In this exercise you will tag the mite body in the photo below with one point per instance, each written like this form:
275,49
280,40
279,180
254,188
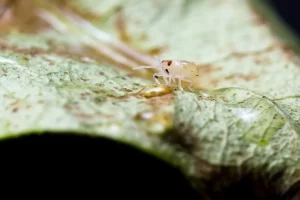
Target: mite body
171,70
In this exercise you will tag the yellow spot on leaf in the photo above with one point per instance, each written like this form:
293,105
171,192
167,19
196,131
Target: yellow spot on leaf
155,90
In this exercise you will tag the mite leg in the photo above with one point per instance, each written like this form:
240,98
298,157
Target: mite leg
173,80
156,75
189,81
170,80
165,79
143,67
179,84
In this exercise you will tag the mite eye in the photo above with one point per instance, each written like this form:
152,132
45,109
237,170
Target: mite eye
167,71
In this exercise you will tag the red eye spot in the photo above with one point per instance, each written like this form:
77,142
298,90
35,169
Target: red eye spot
169,62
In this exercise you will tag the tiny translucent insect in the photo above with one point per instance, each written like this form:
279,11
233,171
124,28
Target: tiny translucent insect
171,70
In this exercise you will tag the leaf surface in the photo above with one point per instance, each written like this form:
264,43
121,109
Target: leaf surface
243,111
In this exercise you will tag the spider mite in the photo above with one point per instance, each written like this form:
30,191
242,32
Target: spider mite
171,70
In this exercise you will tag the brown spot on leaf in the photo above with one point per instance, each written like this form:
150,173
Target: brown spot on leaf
262,60
84,94
84,79
156,51
208,98
211,98
246,77
126,90
68,107
3,71
90,116
237,54
208,68
15,106
224,99
15,103
214,82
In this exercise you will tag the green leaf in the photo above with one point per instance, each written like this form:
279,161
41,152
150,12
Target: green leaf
242,114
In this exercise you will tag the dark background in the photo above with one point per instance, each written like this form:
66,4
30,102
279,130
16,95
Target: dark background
289,10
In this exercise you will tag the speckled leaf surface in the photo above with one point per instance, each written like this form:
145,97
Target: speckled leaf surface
244,109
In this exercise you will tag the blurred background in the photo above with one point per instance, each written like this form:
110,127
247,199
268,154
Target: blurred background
169,183
289,12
